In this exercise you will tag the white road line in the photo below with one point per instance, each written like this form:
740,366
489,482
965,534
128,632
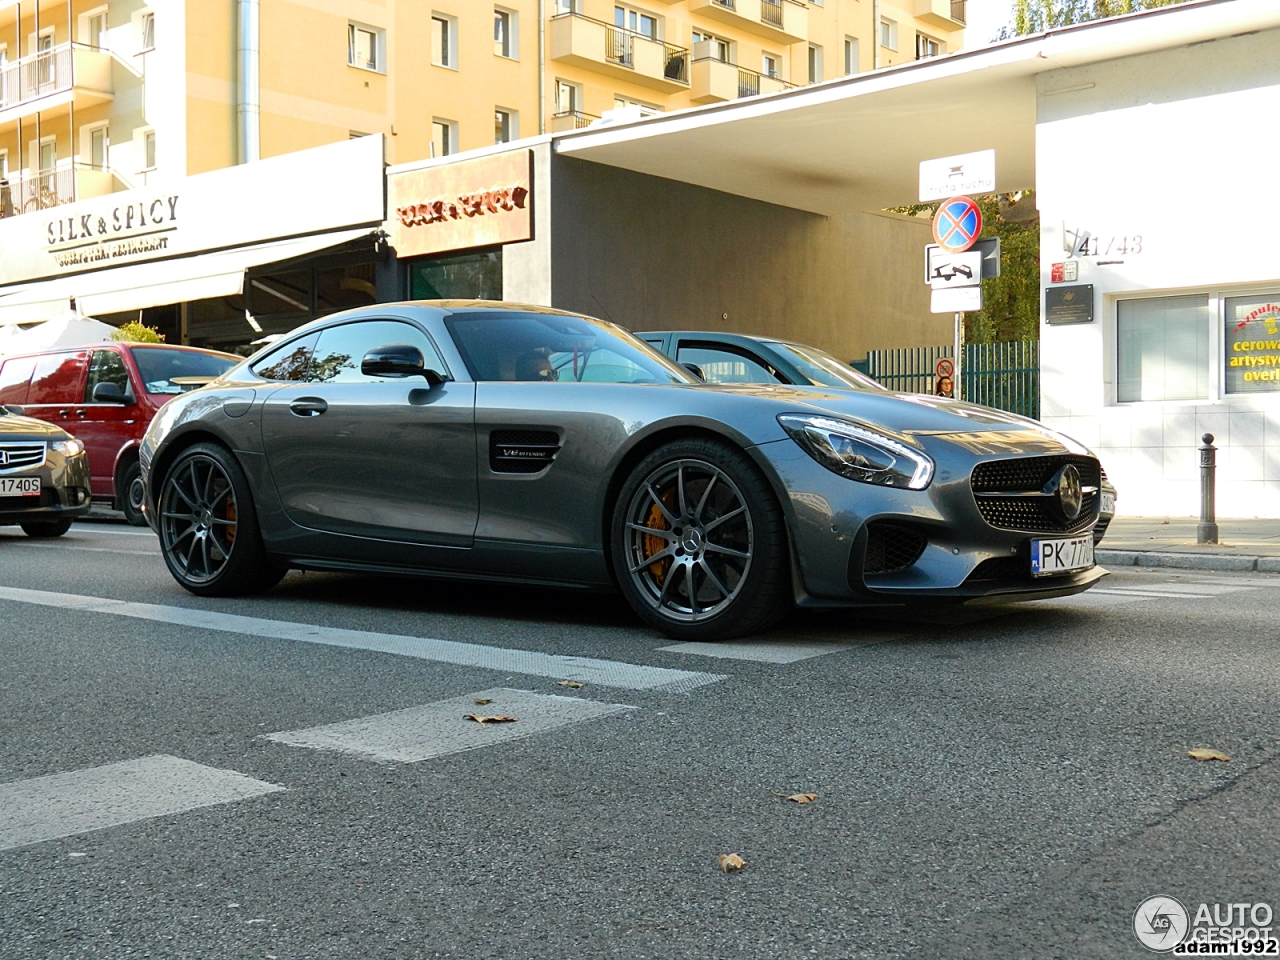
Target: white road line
92,528
1154,594
606,673
65,804
763,652
438,729
45,545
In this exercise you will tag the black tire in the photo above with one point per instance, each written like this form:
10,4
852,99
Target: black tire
209,534
701,510
46,528
130,494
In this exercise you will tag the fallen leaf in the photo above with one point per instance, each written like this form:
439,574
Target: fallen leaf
1202,753
571,684
731,861
803,797
497,718
481,701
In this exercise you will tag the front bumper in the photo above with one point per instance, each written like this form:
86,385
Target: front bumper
64,491
834,523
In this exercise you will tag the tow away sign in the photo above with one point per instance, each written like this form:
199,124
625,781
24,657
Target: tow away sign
948,270
958,175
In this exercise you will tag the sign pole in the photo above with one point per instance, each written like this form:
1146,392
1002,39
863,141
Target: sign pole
958,390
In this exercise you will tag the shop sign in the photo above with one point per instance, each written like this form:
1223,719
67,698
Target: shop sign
1252,344
273,199
1064,305
457,206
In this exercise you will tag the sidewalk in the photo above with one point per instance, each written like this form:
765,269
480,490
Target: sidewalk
1171,542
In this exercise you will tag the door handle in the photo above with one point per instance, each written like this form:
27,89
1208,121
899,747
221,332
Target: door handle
81,414
64,414
308,407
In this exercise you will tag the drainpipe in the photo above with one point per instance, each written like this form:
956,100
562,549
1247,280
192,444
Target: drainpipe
542,66
875,34
248,144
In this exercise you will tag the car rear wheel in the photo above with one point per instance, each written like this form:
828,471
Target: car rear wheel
130,494
699,543
46,528
208,526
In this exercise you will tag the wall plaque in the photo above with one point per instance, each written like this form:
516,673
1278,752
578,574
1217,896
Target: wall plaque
1069,304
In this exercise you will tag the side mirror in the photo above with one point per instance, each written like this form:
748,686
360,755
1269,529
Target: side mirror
109,393
399,360
16,410
695,370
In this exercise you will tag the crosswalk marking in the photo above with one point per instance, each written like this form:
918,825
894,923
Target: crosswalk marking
66,804
437,729
760,652
605,673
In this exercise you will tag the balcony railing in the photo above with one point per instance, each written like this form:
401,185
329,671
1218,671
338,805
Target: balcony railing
771,12
37,75
957,11
571,120
30,192
620,48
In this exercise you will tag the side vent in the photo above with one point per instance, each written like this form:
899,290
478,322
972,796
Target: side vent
522,451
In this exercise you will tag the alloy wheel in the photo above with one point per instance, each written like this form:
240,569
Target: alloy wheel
690,540
198,514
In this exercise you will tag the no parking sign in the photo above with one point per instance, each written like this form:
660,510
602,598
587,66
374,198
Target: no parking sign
957,225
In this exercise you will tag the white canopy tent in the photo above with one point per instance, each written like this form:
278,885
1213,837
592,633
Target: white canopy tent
69,329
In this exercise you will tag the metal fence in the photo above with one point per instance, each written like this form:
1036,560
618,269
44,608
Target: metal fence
1001,375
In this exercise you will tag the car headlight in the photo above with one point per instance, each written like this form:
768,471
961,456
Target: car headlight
71,447
859,453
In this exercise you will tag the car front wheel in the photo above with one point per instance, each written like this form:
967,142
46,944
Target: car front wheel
209,531
46,528
699,543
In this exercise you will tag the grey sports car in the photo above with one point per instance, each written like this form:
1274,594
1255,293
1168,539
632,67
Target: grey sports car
510,443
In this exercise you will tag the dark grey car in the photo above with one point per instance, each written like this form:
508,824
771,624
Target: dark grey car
521,444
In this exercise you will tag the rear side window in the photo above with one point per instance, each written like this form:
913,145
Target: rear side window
719,365
106,366
15,375
177,371
58,378
288,362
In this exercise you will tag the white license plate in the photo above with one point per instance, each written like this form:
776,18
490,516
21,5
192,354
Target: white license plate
1061,556
19,486
1108,503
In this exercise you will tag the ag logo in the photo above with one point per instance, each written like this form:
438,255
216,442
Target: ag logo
1160,923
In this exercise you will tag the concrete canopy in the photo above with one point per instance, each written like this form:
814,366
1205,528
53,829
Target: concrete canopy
855,144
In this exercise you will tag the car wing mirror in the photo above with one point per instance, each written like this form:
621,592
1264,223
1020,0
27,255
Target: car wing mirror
695,370
109,393
16,410
399,360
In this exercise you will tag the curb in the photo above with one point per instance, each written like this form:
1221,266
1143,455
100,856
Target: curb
1188,561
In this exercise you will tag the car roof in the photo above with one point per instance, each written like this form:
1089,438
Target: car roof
119,344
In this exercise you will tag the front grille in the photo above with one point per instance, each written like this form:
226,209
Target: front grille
522,451
1030,475
14,456
891,546
1000,568
1100,529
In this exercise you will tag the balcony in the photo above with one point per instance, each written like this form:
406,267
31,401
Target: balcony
715,80
945,14
622,54
52,81
782,21
571,120
32,192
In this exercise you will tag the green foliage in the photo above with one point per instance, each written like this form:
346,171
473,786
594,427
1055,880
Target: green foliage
136,332
1033,16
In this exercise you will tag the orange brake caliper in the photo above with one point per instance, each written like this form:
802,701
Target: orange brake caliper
654,544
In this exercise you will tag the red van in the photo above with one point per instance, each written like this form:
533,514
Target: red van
106,395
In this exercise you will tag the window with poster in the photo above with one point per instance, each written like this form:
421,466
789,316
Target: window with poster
1251,344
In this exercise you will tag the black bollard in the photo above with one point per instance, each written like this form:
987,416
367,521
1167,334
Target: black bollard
1207,528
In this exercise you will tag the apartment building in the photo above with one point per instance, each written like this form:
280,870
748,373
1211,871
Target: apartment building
100,97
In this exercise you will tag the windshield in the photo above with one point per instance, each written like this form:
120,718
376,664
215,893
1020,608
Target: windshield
551,347
166,371
822,369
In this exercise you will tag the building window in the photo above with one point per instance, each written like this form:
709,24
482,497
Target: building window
4,164
568,6
506,33
47,162
506,125
815,63
636,21
568,97
469,276
147,32
706,46
850,55
149,150
927,46
627,103
1162,349
444,137
889,34
769,65
365,47
95,144
1251,344
444,41
93,28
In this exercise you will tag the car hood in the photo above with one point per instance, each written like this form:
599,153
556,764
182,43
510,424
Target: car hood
28,428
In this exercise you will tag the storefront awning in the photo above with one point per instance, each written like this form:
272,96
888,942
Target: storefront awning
200,277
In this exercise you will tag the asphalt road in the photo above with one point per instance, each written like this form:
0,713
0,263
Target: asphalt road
182,777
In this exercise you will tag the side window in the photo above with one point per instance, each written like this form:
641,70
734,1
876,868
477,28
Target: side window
719,365
15,375
341,349
106,366
58,378
288,362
